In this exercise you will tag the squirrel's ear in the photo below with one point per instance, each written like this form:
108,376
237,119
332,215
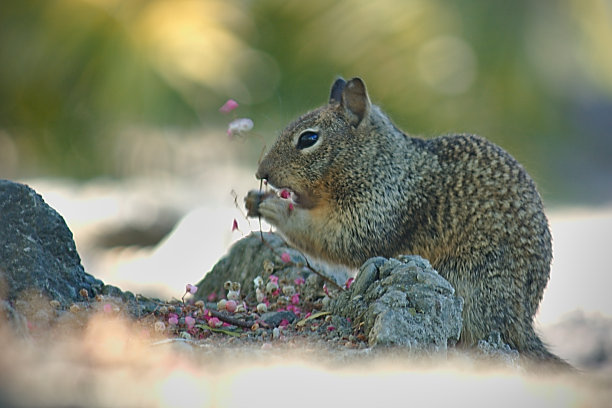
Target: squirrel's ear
335,96
355,100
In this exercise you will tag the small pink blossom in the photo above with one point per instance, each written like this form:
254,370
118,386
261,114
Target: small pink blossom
230,306
173,319
108,308
285,194
215,322
284,323
325,289
228,106
296,310
190,322
191,288
331,328
234,225
285,257
349,282
308,315
299,281
212,297
291,207
295,298
273,279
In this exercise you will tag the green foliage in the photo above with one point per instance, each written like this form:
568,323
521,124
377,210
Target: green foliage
534,77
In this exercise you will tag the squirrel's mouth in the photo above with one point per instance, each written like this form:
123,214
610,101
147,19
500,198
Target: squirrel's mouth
285,193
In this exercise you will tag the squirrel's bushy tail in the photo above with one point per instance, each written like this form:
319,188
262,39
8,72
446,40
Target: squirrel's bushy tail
538,357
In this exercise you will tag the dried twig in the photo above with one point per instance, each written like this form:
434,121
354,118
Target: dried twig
227,319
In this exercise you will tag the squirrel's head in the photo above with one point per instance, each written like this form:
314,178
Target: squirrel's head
304,156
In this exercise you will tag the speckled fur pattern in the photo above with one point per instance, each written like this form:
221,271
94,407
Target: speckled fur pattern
367,189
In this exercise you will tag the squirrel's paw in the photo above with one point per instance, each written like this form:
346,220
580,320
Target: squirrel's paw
275,210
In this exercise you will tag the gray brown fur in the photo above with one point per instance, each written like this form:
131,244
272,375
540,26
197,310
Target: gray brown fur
367,189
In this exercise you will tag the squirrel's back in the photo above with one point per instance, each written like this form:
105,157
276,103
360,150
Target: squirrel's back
358,187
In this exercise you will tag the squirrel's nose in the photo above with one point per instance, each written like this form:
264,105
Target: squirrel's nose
262,171
261,175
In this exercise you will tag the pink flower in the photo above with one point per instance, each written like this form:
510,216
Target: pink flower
191,288
325,289
285,257
331,328
215,322
284,323
285,194
299,281
230,306
295,298
108,308
296,310
190,322
290,206
349,282
308,315
173,319
273,279
234,225
212,297
228,106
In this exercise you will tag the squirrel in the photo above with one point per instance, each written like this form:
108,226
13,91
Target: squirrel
354,186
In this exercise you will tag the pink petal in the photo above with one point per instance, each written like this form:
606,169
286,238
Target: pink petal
228,106
191,288
285,257
349,282
189,321
230,306
285,194
234,225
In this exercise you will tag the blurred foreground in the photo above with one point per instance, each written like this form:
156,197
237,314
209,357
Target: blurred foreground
113,363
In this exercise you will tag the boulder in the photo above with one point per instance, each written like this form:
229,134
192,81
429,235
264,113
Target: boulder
262,254
402,302
37,252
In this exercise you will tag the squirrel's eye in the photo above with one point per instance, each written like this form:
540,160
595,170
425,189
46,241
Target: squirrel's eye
307,139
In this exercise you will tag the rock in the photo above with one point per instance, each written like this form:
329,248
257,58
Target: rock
37,252
493,349
39,262
275,318
402,302
251,257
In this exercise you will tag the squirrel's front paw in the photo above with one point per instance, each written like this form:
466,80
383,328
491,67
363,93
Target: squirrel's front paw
253,200
274,209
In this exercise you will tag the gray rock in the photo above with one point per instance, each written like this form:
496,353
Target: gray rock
402,302
39,261
275,318
245,261
37,252
493,349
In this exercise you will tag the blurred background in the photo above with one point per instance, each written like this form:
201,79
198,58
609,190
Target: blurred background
110,110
